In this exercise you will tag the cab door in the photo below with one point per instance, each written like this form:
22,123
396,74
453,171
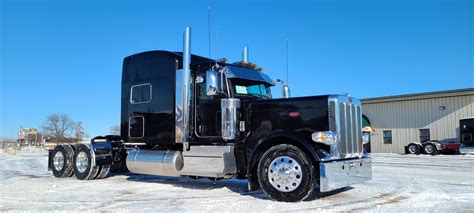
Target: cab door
207,110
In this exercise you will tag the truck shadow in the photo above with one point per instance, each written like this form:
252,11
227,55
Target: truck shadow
234,185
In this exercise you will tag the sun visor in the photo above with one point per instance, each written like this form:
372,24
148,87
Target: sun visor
246,73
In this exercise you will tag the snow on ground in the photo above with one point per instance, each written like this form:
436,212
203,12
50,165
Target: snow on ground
410,183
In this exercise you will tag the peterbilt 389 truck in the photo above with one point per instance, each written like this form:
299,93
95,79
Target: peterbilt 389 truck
187,115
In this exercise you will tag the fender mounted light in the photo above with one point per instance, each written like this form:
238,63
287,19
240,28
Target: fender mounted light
325,137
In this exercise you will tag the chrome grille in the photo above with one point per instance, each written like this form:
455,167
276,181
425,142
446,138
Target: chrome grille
345,119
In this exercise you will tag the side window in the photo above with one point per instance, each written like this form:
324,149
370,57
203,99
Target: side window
201,88
387,137
424,135
266,90
136,127
140,93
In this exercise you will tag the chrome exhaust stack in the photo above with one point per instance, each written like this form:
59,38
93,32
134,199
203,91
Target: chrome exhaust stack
245,55
285,91
183,93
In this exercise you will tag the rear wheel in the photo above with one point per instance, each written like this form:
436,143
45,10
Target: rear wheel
83,168
103,172
414,149
62,161
285,173
430,149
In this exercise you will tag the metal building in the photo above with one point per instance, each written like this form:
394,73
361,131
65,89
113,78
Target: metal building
399,120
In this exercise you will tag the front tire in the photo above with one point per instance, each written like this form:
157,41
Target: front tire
83,168
62,161
285,173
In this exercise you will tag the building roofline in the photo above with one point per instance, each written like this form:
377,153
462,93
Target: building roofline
418,96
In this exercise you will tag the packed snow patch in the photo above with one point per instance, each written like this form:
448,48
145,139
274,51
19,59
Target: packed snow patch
411,183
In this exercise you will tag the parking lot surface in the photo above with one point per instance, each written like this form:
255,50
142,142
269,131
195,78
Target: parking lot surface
413,183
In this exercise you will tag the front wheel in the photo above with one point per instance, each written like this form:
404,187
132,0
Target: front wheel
285,173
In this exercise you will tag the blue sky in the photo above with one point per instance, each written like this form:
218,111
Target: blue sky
66,56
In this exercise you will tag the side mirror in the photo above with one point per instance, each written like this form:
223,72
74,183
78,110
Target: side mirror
212,83
285,89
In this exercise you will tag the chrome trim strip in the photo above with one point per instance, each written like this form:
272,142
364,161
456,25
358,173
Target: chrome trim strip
345,131
335,126
359,126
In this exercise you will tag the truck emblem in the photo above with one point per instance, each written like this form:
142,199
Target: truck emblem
294,114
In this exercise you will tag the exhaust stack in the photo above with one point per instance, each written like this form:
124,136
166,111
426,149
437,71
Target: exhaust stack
245,55
183,93
285,91
187,50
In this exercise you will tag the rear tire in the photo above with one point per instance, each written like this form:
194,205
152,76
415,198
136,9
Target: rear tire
285,173
414,149
62,161
430,149
103,172
83,168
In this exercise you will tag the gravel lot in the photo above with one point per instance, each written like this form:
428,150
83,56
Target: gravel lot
401,183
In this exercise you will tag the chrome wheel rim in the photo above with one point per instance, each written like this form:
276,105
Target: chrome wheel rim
58,161
285,174
429,149
412,149
82,162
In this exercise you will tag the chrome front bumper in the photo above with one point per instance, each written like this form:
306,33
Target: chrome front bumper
338,174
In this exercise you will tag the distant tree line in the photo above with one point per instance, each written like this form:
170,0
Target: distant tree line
60,128
114,130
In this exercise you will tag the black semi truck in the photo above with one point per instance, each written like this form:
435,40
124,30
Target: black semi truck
187,115
466,128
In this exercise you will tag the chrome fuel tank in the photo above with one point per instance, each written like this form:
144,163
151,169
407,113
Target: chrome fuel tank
151,162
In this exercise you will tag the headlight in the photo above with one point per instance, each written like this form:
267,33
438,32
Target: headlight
327,137
365,137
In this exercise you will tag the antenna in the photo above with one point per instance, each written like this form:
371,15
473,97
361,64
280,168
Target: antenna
209,28
216,43
287,79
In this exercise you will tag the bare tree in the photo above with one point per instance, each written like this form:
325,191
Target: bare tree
58,126
114,130
79,132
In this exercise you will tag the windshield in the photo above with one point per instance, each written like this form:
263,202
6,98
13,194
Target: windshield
259,90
